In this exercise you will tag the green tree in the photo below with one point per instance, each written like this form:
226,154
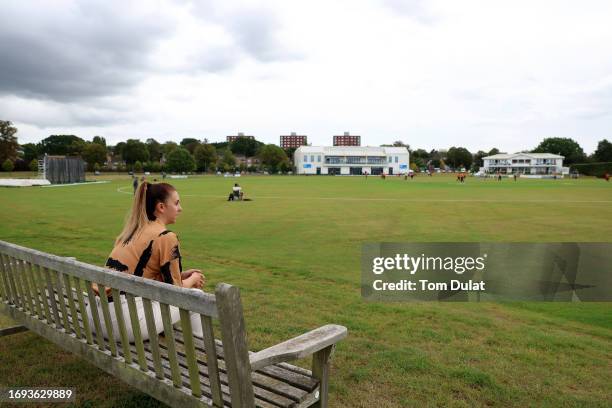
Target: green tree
566,147
134,151
138,166
458,157
30,152
478,162
228,161
93,154
271,157
245,146
493,151
180,160
168,147
155,150
62,145
204,156
99,140
33,165
8,141
190,144
603,152
400,143
435,157
118,151
8,165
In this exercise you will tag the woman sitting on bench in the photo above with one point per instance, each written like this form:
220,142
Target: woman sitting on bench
146,248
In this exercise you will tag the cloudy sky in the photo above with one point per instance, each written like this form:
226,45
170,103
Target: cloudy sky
434,73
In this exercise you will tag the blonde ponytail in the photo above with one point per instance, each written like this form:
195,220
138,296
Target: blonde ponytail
137,217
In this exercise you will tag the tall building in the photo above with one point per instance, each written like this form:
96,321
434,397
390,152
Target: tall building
239,135
347,140
293,140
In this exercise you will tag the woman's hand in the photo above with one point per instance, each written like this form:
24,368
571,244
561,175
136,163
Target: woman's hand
193,278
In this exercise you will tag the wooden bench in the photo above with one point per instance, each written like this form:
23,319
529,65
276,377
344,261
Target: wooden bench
49,295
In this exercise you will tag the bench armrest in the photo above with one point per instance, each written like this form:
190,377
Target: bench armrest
298,347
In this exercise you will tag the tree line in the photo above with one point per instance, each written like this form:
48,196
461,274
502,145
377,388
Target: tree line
134,155
459,157
200,155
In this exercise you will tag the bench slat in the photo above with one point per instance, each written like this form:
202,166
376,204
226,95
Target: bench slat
40,278
48,280
108,323
121,324
72,305
11,282
190,351
83,310
60,287
136,330
169,334
14,275
148,312
23,274
5,287
35,285
8,296
3,291
95,316
211,358
15,282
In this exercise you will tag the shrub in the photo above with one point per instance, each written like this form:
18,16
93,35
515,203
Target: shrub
8,165
592,169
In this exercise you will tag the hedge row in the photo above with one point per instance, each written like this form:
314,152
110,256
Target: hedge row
592,169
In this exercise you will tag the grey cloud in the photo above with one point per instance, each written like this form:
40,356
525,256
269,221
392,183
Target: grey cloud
74,51
50,113
215,59
254,30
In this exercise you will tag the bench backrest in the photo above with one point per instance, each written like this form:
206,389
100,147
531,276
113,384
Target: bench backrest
50,289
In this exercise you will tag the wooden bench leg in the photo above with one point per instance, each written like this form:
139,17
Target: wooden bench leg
12,330
320,370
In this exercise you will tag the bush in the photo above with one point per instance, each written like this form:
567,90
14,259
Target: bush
34,165
8,165
138,166
153,167
180,160
592,169
21,165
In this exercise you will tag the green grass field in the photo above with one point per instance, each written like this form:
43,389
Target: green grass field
295,250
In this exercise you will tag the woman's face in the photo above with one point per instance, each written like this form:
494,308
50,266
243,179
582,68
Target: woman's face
171,208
